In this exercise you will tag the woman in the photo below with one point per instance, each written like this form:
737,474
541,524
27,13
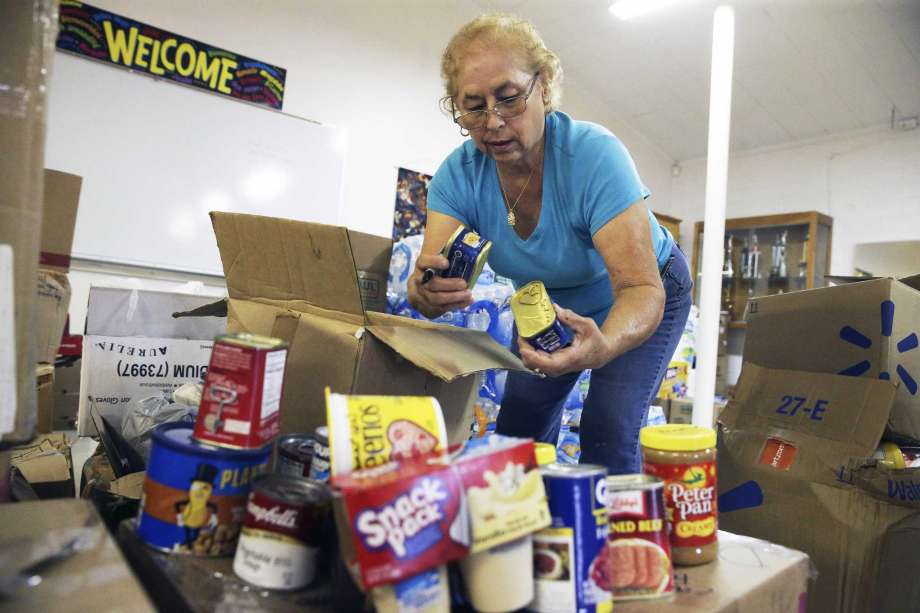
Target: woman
562,202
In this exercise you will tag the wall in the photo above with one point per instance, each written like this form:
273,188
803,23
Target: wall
867,181
373,71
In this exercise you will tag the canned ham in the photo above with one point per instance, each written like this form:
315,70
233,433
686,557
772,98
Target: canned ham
638,549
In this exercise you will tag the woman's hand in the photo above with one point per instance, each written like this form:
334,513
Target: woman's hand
437,295
589,349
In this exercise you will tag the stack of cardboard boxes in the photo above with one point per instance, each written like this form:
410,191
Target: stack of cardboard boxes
27,34
828,374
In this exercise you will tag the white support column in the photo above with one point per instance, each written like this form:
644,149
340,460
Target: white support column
720,101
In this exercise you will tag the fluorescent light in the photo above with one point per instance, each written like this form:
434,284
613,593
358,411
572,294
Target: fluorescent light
629,9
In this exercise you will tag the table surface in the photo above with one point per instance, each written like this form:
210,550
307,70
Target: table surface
96,578
747,568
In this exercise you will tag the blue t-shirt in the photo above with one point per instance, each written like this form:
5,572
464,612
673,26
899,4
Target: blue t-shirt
588,179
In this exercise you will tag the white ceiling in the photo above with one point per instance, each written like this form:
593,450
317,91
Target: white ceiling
803,68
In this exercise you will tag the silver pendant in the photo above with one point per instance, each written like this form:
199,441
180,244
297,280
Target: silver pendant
511,219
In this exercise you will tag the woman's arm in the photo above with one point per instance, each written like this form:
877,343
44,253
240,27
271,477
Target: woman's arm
438,295
625,244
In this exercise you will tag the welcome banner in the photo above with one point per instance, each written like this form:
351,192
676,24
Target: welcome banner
105,36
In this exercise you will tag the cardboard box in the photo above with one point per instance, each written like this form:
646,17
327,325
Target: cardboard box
681,411
66,396
308,284
749,575
46,465
44,375
134,348
27,33
96,578
793,470
59,216
867,329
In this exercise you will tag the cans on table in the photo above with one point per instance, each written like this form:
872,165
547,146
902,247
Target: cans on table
466,254
638,548
536,318
286,518
241,399
319,467
571,567
295,454
195,494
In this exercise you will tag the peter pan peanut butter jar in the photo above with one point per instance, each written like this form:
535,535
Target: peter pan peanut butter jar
684,457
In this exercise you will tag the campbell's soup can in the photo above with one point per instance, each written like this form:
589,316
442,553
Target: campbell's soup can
195,494
286,518
295,454
638,548
571,571
241,399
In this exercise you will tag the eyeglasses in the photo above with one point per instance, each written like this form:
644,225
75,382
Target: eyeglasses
506,109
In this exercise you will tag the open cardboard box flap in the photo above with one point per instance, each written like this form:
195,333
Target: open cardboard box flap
826,422
323,289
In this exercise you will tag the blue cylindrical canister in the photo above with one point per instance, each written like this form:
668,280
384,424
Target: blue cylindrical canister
195,494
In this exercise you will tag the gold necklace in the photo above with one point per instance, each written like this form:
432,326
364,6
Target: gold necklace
511,217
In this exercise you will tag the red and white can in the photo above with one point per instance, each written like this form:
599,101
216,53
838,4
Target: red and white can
241,400
286,518
638,547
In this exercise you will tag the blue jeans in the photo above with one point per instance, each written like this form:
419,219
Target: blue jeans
616,407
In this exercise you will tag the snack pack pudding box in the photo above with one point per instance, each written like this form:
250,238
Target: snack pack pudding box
401,518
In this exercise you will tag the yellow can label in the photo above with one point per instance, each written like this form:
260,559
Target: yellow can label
367,431
533,309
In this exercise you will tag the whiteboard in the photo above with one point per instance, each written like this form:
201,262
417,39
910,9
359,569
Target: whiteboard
156,157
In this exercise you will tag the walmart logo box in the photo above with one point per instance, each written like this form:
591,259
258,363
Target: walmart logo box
133,348
866,328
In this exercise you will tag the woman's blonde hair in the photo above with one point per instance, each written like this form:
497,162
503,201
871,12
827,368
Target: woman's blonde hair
517,35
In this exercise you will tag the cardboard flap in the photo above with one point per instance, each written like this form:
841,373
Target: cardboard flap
281,259
831,420
912,281
444,351
214,309
59,217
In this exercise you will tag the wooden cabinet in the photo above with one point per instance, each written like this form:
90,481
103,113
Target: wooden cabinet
671,223
770,254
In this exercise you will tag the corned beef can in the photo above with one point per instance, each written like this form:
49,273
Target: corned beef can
320,465
295,454
638,548
195,494
466,254
286,518
536,319
570,563
241,398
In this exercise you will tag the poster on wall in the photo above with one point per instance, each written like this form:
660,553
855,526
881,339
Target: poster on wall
411,203
104,36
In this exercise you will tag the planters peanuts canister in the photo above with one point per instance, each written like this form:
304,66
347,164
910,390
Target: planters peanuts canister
195,495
